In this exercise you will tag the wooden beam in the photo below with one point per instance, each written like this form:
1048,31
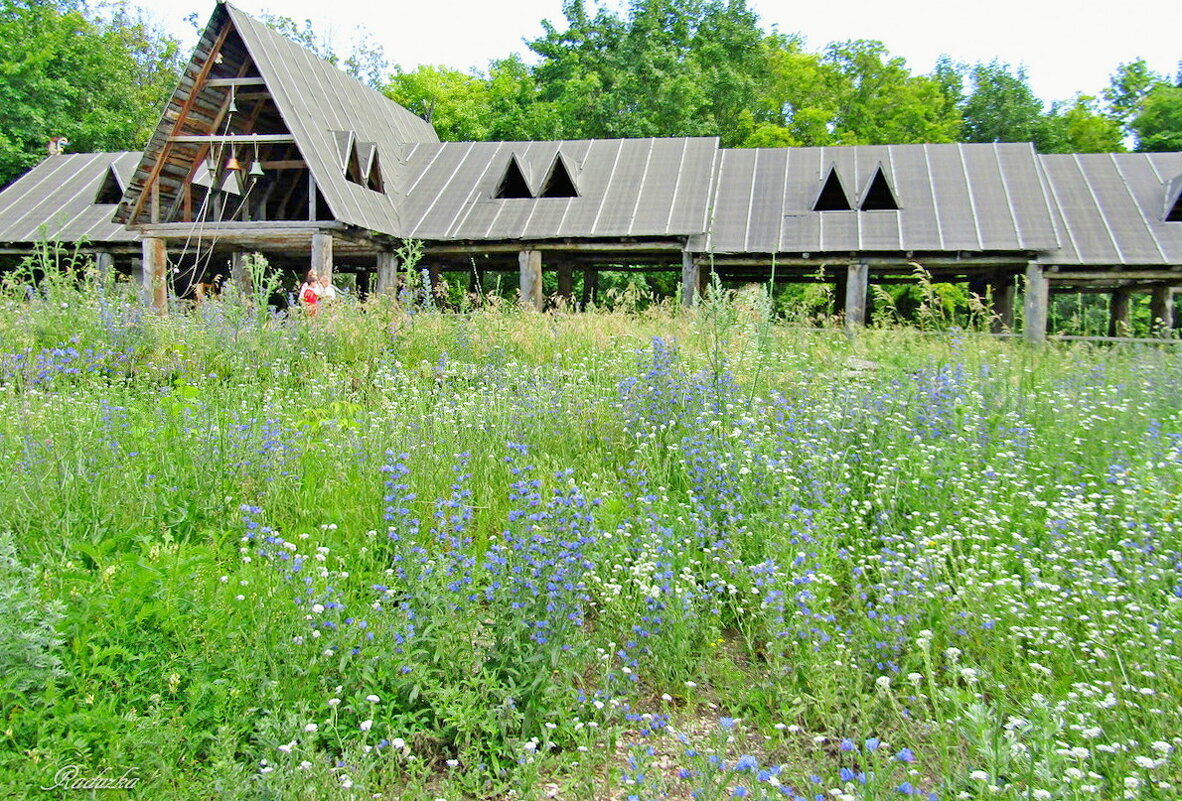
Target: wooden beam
156,273
530,266
179,122
322,254
690,278
590,286
1161,310
239,274
857,284
1118,313
1003,302
285,164
566,283
235,82
1172,274
232,139
387,265
1034,304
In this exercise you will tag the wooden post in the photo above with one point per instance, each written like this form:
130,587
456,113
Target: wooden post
387,264
156,274
566,283
1003,303
322,254
857,282
705,278
1118,313
104,264
530,265
691,279
239,275
1034,304
141,282
1161,310
590,286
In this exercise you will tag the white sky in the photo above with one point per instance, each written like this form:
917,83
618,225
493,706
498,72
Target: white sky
1067,46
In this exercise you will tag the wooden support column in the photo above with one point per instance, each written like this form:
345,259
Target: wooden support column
1161,310
1034,304
839,290
590,286
322,254
156,274
857,283
530,265
141,282
1118,313
239,275
104,265
566,283
691,279
387,264
1003,303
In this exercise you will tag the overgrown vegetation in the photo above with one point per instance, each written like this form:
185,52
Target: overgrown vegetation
398,552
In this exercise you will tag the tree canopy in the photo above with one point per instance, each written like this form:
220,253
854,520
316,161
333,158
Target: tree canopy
655,68
99,80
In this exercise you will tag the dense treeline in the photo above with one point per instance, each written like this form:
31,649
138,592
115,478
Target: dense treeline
662,68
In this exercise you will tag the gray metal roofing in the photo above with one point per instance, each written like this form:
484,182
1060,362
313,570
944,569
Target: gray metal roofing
626,187
1110,208
55,200
952,197
317,102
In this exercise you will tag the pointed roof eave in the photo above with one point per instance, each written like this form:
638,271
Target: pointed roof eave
211,40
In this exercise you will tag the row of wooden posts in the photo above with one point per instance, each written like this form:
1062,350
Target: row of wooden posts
852,286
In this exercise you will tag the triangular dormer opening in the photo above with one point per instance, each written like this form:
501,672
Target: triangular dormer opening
111,190
513,183
374,179
833,196
878,195
353,170
1174,200
558,182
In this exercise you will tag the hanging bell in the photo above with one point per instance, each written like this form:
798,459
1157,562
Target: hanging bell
256,169
232,164
233,107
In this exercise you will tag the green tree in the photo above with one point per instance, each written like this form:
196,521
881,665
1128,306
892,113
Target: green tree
1158,124
456,103
66,71
1127,90
1080,127
879,101
668,68
1001,107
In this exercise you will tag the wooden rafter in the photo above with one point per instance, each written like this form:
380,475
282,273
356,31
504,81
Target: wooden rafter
182,115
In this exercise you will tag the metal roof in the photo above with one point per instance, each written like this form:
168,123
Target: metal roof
319,103
55,200
626,187
952,197
1110,208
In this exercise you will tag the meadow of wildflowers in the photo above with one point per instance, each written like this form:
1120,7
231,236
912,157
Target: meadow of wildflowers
395,552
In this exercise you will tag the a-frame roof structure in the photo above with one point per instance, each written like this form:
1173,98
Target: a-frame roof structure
317,104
